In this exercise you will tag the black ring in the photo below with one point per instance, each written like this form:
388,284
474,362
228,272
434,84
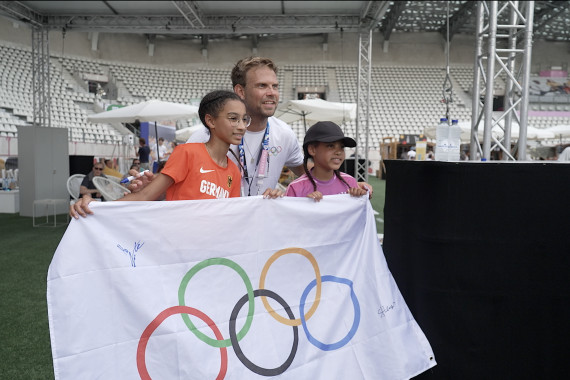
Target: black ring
235,344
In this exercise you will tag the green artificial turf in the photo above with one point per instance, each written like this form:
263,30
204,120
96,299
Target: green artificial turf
25,255
377,201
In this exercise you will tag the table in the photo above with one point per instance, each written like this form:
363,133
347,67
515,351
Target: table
50,205
10,201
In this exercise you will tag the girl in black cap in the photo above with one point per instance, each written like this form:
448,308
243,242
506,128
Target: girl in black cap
324,142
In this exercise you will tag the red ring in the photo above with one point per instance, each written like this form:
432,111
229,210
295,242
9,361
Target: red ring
143,341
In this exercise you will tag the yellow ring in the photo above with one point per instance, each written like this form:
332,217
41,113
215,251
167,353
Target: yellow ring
311,258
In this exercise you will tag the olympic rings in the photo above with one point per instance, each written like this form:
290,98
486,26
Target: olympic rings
234,338
239,353
143,341
348,337
275,256
182,290
275,150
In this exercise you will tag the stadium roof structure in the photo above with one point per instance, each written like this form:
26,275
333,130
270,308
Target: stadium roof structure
266,19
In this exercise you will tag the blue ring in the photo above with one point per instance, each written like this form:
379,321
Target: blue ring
348,337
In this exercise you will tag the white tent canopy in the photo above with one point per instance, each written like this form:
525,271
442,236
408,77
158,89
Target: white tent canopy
183,134
314,110
497,132
561,130
151,110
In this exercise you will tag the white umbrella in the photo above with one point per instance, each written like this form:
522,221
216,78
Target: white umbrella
183,134
560,130
497,132
532,133
151,110
465,131
314,110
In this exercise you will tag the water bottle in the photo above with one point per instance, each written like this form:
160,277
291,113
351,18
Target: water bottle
441,140
454,141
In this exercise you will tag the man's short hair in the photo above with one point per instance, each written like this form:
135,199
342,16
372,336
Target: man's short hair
244,65
142,141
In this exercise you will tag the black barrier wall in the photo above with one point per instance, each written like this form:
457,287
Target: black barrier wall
481,253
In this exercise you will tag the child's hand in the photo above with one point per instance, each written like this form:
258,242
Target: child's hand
81,207
316,195
273,193
357,192
141,182
366,186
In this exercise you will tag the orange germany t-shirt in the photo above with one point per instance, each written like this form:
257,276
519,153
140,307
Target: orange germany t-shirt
197,176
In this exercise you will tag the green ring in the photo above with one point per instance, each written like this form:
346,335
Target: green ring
182,290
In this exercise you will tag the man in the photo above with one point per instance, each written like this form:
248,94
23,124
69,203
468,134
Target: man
143,153
269,144
110,171
87,186
161,149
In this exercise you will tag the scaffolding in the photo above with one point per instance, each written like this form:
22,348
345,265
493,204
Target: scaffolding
41,77
363,103
497,52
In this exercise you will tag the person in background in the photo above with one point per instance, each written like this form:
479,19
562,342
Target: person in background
143,154
172,145
87,187
324,143
109,170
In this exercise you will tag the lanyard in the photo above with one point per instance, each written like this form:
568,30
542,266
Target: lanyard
262,160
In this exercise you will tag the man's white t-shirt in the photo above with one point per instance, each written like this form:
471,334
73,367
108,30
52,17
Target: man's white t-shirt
284,150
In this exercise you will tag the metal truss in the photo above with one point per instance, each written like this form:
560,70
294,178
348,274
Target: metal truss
498,54
283,24
41,78
392,18
19,11
363,102
460,17
371,16
191,13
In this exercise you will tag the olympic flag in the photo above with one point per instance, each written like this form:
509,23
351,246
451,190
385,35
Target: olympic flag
240,288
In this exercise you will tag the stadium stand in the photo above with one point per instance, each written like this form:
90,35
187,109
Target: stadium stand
404,99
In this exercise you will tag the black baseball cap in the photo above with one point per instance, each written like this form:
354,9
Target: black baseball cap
327,131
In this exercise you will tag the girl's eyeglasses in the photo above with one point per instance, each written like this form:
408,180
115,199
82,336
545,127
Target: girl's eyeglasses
234,120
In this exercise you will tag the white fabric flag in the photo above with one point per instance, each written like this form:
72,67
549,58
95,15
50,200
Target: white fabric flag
239,288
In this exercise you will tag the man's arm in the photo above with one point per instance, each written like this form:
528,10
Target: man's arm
298,170
83,190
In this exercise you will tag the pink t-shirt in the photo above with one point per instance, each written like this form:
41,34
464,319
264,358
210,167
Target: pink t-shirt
302,186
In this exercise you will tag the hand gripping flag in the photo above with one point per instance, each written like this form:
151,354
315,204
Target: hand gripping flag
241,288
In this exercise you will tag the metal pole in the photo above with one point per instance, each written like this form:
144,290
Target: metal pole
41,77
358,105
363,100
529,15
476,93
508,97
492,31
367,121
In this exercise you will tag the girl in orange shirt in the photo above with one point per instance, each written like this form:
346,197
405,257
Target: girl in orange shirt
198,171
